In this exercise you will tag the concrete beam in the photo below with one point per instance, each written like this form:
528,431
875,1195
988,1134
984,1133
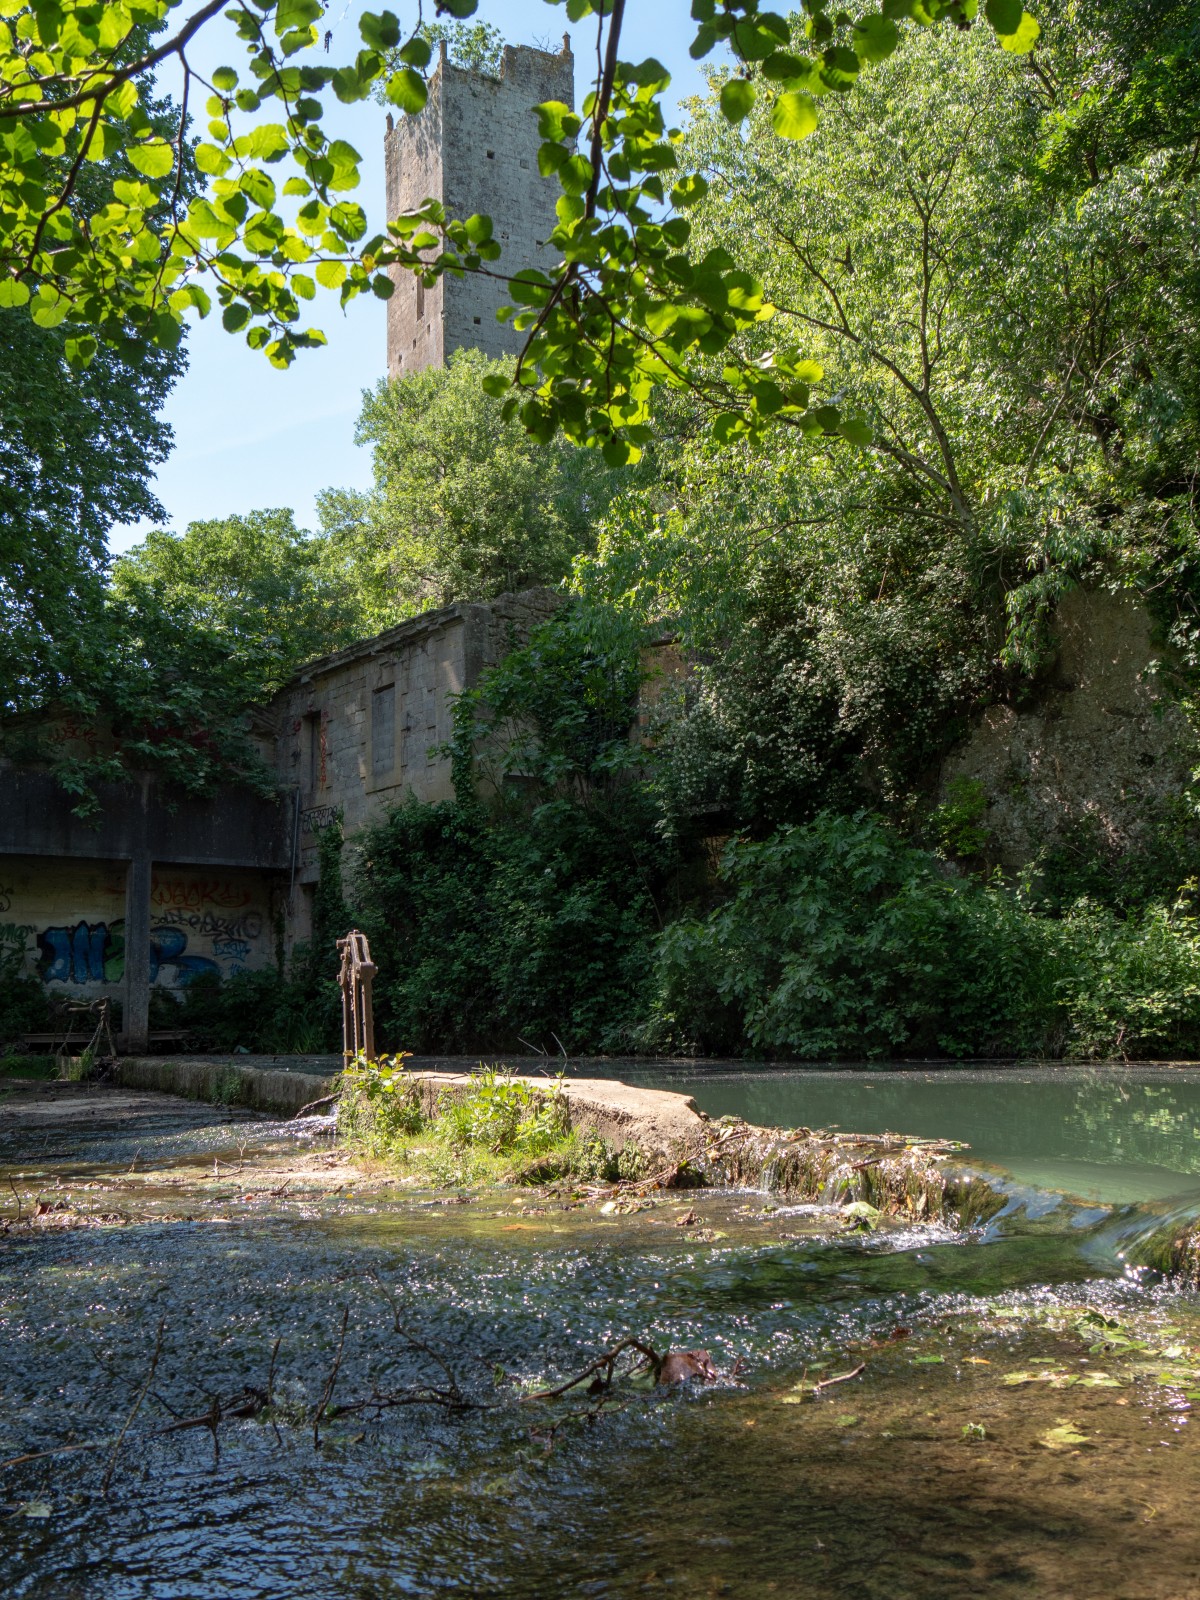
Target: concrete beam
136,1027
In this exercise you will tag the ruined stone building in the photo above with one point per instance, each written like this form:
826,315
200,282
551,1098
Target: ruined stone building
475,148
157,888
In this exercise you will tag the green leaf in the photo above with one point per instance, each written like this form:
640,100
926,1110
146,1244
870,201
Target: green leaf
1004,15
407,90
737,99
793,116
331,274
875,38
13,293
416,53
225,79
497,385
857,431
49,308
380,32
550,157
1023,40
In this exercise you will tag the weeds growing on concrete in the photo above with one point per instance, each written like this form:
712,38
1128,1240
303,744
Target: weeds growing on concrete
494,1129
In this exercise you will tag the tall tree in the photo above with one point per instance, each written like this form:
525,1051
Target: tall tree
255,583
465,505
999,262
77,455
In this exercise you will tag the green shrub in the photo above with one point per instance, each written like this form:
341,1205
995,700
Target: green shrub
23,1004
379,1105
504,1116
474,1134
1132,988
839,939
530,920
266,1012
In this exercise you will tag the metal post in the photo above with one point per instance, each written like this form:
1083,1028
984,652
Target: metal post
358,1020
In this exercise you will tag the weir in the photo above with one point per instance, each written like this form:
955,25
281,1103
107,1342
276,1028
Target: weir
873,1373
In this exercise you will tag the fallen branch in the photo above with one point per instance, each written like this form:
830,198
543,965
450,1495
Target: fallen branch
607,1360
325,1100
137,1406
330,1381
415,1343
842,1377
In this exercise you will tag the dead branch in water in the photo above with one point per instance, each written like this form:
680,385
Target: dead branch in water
454,1393
137,1406
841,1377
605,1361
325,1100
330,1381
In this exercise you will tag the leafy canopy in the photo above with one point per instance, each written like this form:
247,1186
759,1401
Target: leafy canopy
255,583
634,303
465,506
1008,291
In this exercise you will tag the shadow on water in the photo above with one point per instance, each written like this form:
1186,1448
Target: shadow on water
1021,1423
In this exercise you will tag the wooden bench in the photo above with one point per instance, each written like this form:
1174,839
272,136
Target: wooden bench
60,1040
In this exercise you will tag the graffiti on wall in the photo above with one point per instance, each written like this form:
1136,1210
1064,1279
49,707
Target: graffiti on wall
194,894
94,952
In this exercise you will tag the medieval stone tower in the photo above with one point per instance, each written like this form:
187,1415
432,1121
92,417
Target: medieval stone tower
474,147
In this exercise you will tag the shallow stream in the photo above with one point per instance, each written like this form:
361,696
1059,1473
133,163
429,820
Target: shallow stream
1022,1424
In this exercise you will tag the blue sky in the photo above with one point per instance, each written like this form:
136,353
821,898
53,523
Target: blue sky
247,436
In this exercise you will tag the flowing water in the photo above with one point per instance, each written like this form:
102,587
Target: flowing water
1022,1423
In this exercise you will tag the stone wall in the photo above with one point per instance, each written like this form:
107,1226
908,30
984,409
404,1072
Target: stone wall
474,147
1104,743
364,729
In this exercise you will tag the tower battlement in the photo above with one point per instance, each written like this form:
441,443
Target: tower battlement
474,147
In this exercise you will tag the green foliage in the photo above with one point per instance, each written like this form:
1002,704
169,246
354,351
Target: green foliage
467,1135
1083,862
475,46
838,939
631,306
379,1105
256,585
532,919
1008,297
23,1004
465,505
957,824
265,1012
192,632
503,1115
1132,988
77,455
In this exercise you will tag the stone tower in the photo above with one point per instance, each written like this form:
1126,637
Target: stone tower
474,147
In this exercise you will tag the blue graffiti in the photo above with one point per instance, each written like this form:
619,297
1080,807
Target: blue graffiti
92,952
74,955
167,946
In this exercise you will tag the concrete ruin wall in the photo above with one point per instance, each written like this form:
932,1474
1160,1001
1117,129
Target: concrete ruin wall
474,147
363,730
1105,743
70,915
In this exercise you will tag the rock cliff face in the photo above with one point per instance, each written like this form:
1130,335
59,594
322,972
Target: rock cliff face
1105,743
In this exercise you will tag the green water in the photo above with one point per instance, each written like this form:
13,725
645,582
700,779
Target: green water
1118,1134
1022,1424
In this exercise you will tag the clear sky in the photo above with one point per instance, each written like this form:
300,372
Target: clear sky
248,436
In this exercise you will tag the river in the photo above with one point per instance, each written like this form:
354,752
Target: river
1022,1424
